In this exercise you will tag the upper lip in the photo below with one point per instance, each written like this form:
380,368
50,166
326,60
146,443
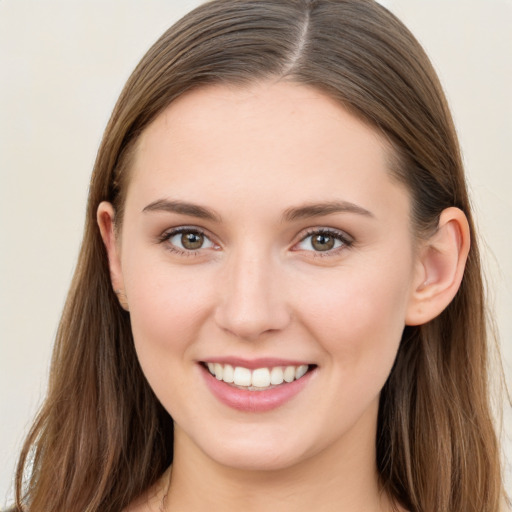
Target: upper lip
252,364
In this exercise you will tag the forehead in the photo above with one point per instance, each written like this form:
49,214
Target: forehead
280,141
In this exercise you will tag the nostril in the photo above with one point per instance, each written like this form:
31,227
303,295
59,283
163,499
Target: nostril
251,322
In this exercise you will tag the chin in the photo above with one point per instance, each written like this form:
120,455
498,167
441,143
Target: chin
259,449
257,458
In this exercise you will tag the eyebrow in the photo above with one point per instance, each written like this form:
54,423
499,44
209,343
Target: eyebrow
319,209
193,210
289,215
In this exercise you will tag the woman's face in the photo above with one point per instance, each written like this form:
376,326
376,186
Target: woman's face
264,236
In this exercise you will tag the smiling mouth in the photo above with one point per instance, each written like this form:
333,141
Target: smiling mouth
259,379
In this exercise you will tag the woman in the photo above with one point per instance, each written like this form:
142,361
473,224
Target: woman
276,302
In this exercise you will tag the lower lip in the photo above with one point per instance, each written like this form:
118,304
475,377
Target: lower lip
255,401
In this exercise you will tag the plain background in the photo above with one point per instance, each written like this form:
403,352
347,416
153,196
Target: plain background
62,66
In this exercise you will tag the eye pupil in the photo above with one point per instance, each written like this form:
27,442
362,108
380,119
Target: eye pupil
322,242
192,240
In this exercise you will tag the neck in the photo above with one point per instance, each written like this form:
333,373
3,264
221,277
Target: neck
344,474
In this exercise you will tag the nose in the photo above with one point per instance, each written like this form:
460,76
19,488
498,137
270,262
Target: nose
252,297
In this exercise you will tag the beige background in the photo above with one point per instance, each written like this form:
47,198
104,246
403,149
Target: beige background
62,66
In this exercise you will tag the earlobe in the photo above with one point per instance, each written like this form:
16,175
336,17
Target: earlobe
105,217
440,267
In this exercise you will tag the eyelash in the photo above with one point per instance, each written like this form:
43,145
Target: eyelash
168,235
346,241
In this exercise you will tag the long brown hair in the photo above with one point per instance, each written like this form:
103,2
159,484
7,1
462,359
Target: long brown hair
102,437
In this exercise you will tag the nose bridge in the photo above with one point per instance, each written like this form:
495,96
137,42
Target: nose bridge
252,299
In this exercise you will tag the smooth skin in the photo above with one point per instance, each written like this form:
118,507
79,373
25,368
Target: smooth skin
251,177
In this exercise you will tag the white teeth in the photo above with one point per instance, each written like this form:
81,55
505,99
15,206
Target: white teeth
229,373
289,373
218,370
300,371
276,376
259,378
242,376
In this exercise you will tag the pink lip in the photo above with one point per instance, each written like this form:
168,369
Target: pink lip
254,401
252,364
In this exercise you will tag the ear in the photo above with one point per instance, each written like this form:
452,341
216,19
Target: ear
440,267
105,217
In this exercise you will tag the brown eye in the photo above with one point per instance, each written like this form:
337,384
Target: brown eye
327,241
184,240
322,242
192,241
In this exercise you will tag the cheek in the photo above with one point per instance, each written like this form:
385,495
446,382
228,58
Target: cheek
167,309
358,317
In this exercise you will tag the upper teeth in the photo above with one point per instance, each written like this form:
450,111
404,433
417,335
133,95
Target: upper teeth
260,377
